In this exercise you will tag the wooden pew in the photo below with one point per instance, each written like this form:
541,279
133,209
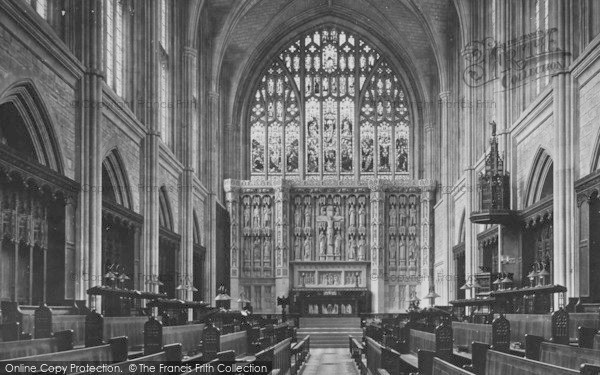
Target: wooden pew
441,367
60,341
156,336
300,352
576,320
555,326
381,358
170,354
282,357
356,351
585,337
115,351
440,342
567,356
12,331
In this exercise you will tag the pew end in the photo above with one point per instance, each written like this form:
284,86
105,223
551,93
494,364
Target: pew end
425,361
118,346
64,339
533,345
589,369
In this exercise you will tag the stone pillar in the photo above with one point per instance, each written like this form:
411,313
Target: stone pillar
377,245
564,160
189,127
427,283
282,204
448,149
150,193
232,197
89,219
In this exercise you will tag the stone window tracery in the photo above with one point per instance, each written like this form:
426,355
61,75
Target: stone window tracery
309,100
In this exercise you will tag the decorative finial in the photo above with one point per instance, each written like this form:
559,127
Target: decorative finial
493,123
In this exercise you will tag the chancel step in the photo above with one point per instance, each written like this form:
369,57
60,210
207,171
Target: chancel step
329,332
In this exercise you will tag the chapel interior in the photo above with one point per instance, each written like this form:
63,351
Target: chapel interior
359,186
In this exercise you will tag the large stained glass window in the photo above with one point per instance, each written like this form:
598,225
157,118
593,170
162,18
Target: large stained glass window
329,104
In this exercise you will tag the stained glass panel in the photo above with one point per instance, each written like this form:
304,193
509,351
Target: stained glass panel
329,135
346,141
340,79
313,109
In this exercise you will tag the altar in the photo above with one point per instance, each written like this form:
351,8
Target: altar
336,247
329,302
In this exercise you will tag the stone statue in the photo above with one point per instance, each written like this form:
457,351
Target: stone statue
267,252
392,249
307,248
246,216
412,247
297,248
322,244
338,244
298,217
352,217
267,216
402,250
307,213
393,217
413,214
256,217
362,217
351,248
361,248
403,215
256,248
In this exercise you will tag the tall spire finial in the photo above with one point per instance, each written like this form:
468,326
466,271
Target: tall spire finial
493,123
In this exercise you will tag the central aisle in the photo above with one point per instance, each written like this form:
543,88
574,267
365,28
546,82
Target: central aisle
329,361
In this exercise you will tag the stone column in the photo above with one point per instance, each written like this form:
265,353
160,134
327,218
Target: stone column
564,159
282,203
232,197
89,258
377,245
446,183
189,127
150,193
427,282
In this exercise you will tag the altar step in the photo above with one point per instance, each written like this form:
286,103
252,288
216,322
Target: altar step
330,332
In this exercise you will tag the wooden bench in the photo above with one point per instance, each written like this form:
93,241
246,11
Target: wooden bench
188,335
440,342
300,352
115,351
381,358
282,357
555,326
356,352
170,354
585,337
13,332
60,341
441,367
567,356
498,363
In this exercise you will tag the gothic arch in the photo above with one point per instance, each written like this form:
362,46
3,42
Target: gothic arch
461,229
24,97
399,61
197,232
166,214
539,183
595,165
116,175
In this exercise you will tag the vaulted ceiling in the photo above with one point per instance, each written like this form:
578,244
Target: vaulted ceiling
420,33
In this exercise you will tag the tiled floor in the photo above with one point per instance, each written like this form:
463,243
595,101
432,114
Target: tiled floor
329,362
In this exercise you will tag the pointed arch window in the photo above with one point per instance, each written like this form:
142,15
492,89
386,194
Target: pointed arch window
114,41
166,125
329,104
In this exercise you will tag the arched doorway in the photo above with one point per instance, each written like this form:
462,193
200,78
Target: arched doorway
37,205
